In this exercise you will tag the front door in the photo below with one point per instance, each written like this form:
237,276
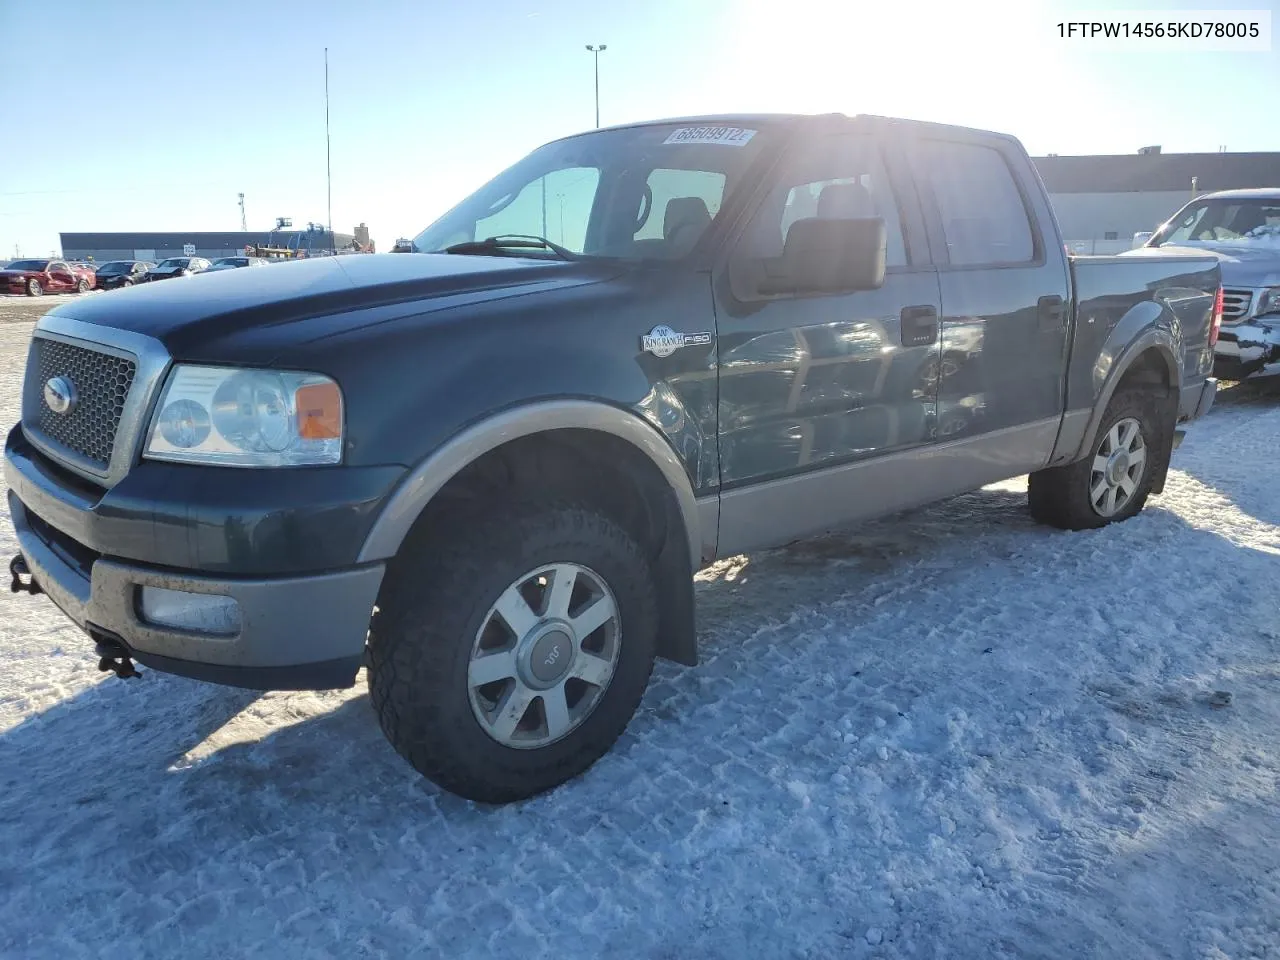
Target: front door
809,382
61,279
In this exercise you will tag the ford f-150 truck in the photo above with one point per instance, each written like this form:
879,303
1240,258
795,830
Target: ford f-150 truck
488,468
1242,229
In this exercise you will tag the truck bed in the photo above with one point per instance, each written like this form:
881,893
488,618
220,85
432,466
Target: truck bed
1117,296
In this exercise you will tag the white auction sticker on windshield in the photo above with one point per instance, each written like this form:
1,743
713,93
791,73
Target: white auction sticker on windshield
725,136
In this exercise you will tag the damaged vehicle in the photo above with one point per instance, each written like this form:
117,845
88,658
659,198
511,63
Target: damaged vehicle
1242,229
487,468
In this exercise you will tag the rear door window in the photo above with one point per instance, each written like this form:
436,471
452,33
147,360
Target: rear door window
984,218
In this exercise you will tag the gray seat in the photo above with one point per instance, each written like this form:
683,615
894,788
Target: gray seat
845,201
683,222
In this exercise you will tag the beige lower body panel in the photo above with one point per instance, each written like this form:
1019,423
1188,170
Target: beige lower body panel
780,511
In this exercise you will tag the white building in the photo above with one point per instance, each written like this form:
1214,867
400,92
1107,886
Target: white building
1102,201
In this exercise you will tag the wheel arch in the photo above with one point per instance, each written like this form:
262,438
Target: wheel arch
1149,358
674,562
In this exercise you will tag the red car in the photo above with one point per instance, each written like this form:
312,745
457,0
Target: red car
37,277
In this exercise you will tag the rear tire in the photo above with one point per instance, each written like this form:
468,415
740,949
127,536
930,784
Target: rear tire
34,289
1082,495
438,606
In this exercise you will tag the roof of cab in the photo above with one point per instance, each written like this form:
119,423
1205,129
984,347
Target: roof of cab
762,119
1251,193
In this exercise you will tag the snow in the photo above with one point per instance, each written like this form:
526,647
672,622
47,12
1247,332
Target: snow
949,734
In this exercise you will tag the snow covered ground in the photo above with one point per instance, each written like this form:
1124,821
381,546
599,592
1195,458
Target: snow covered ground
954,734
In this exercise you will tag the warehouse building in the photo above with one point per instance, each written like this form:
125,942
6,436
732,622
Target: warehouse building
1102,201
102,247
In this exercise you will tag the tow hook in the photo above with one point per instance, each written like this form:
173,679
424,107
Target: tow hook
17,570
115,658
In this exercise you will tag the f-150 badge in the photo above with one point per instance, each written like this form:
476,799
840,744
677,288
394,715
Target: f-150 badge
662,341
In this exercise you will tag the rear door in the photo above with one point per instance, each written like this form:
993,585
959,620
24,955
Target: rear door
1005,289
809,382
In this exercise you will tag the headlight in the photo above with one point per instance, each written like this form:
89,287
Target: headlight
247,418
1269,301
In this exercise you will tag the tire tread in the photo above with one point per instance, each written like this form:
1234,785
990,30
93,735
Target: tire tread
427,608
1058,496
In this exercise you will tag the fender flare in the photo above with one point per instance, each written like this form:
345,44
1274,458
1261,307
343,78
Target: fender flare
1152,337
425,480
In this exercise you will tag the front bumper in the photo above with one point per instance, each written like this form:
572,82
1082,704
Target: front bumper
283,544
294,632
1245,348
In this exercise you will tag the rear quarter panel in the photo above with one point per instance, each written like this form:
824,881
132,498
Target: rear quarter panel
1125,305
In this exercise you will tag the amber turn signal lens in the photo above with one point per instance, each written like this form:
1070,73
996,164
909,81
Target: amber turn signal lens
319,408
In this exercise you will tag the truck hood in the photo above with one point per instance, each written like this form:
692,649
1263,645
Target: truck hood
1243,265
316,296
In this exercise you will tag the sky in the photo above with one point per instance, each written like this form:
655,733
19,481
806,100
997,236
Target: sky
155,115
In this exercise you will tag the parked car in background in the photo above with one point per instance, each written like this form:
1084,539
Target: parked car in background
122,273
177,267
233,263
1242,229
38,277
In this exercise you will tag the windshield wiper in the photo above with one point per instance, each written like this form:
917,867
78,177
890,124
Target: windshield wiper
512,241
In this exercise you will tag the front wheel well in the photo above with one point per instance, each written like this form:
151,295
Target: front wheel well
592,468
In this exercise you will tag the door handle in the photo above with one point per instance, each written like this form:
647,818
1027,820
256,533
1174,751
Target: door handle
919,325
1051,311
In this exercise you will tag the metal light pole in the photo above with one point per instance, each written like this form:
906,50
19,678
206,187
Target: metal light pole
328,167
597,50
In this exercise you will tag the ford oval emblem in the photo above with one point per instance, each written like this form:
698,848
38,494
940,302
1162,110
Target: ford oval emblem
60,395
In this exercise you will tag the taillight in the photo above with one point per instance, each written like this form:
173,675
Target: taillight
1215,324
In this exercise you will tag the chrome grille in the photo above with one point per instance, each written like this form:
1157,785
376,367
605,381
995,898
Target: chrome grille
1235,304
102,382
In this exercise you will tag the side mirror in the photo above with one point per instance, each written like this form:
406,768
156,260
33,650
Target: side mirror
832,256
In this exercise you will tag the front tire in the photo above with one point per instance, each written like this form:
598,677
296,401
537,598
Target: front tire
82,287
510,652
1113,482
34,288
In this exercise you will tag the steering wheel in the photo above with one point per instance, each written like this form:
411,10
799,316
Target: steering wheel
646,208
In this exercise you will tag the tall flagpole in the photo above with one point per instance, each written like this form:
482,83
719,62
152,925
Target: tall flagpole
328,167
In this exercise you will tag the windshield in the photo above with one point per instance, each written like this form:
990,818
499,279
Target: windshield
172,263
28,265
232,262
1224,221
116,266
635,193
